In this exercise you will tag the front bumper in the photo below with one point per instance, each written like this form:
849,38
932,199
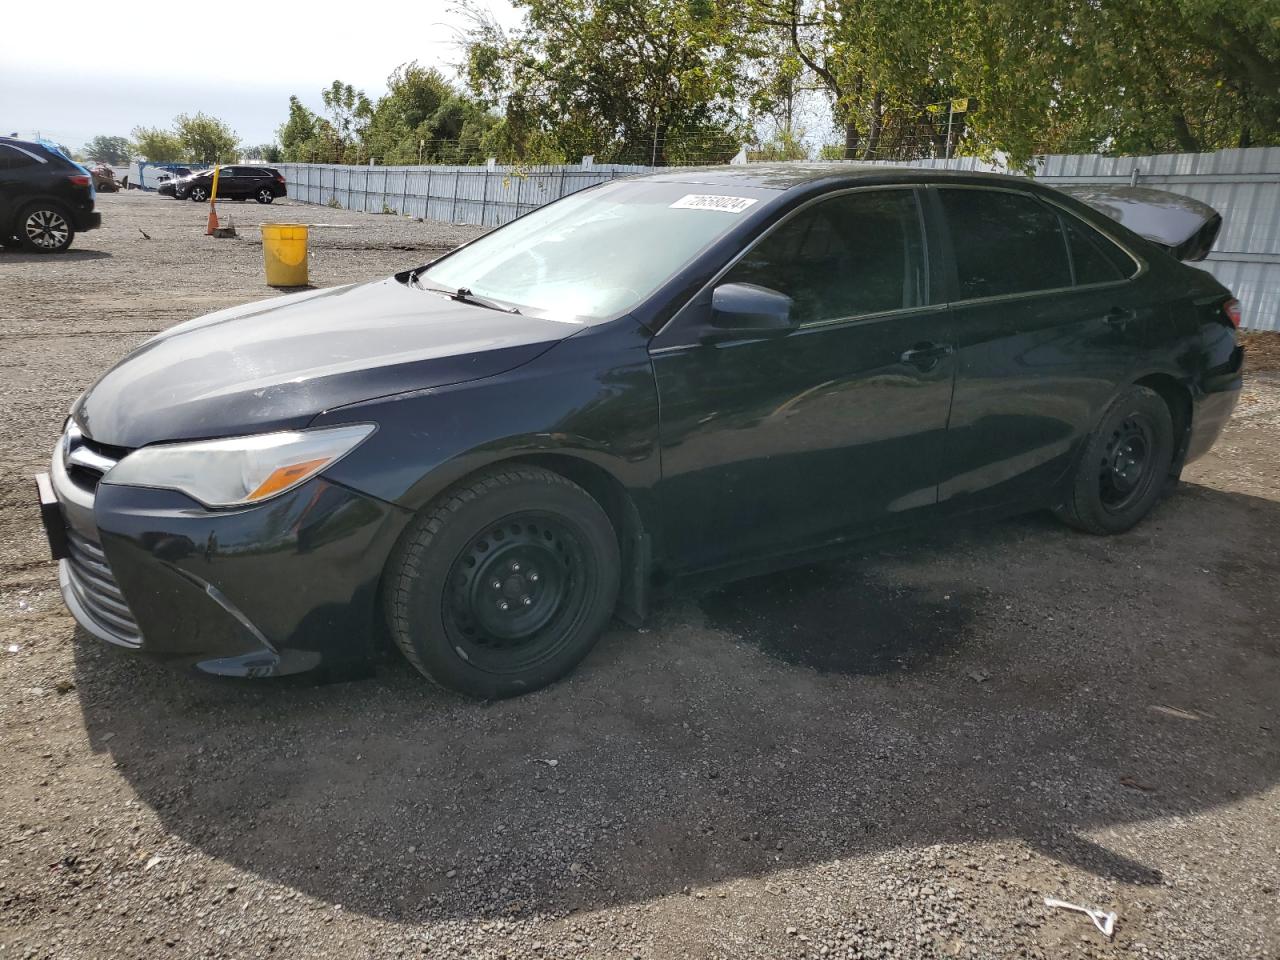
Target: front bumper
272,589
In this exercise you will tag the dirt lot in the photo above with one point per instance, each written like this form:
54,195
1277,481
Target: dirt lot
896,755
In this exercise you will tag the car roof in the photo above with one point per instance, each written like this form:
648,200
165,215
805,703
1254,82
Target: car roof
786,176
24,144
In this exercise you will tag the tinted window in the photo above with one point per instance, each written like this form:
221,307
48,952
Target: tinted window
851,255
1087,259
1095,258
1004,243
11,159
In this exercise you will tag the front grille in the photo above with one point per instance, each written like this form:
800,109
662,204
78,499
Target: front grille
95,588
87,460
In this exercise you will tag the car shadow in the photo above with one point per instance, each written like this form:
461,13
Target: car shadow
10,255
1016,682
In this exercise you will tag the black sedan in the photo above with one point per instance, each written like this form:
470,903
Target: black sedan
726,370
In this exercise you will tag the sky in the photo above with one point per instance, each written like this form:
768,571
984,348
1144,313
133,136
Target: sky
116,73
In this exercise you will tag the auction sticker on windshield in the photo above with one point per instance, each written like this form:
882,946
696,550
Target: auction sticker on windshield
710,201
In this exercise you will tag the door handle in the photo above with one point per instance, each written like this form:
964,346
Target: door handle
1120,317
926,355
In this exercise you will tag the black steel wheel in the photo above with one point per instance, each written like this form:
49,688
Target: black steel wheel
199,194
504,584
45,228
1125,464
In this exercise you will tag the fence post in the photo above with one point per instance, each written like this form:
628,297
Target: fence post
484,196
453,212
519,193
426,205
560,189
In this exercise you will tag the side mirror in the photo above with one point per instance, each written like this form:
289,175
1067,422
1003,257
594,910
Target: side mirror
744,310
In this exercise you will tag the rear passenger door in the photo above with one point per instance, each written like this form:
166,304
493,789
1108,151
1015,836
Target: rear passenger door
1047,323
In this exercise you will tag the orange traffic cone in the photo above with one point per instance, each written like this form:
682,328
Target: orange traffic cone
213,221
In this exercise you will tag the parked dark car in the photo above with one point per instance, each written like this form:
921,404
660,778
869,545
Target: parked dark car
172,185
44,197
718,371
263,184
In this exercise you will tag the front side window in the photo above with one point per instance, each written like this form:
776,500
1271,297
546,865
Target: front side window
855,254
1004,243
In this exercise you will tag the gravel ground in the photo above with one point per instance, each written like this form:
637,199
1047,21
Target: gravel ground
899,754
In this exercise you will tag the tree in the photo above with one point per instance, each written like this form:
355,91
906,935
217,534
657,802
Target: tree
206,139
266,152
664,80
157,145
110,150
297,134
349,114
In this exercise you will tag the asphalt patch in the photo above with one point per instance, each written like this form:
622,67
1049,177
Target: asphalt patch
838,618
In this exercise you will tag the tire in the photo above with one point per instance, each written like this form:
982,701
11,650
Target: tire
198,194
504,583
45,228
264,196
1124,466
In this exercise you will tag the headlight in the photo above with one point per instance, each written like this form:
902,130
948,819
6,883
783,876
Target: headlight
238,470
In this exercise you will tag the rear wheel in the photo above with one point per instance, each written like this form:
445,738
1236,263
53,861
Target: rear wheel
45,228
265,195
1124,466
504,584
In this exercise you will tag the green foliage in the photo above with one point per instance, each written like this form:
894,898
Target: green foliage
206,139
115,151
157,145
676,81
266,152
665,80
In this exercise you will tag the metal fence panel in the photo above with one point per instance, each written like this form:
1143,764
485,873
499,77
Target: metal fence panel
1243,185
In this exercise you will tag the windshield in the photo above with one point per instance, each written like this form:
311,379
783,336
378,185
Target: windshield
597,253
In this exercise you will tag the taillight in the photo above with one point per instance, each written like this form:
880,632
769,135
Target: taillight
279,178
1232,309
79,179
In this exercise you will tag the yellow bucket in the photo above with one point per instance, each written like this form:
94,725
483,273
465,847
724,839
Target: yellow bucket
284,251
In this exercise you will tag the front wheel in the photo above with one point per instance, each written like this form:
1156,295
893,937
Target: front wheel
504,584
1125,464
44,228
265,195
199,194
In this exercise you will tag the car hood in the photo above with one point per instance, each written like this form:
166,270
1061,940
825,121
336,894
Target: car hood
276,364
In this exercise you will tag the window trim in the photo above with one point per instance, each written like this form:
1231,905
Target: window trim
931,303
1059,210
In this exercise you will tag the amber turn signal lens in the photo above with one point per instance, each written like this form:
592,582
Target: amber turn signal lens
282,477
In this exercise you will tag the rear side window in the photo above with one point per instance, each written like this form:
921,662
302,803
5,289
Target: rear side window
1095,258
855,254
1004,243
14,159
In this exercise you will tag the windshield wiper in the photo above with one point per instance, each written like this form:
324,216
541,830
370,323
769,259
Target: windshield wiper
463,295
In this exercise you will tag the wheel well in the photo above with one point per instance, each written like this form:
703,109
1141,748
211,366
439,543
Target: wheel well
1178,399
633,540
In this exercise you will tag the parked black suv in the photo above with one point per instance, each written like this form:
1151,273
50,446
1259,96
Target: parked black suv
263,184
44,197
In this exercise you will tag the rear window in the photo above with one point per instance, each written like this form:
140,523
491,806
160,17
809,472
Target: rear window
1004,243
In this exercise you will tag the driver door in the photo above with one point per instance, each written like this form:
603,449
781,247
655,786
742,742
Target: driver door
835,427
